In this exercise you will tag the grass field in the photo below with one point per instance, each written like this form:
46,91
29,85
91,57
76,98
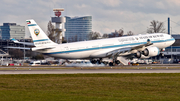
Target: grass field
90,87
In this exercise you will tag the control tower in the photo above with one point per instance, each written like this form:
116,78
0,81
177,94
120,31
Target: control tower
59,21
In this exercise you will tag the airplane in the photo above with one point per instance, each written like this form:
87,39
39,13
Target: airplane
119,48
25,43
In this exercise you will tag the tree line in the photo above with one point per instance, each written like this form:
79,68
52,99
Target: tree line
155,27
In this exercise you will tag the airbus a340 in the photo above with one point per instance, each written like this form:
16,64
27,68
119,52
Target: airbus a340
119,48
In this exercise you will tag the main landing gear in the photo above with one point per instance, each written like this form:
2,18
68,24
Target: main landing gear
98,61
110,62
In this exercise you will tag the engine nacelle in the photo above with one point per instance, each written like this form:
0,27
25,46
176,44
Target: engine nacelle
151,51
140,55
144,57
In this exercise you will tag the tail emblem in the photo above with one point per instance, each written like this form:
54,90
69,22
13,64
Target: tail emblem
28,22
36,32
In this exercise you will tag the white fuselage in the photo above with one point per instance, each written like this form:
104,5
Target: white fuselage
100,48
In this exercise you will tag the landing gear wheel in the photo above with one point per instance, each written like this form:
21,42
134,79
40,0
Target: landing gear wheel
161,54
110,63
93,61
117,62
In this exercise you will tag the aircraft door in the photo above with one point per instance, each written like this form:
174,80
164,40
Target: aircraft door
136,40
64,49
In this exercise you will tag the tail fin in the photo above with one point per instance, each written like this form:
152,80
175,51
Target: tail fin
39,37
15,41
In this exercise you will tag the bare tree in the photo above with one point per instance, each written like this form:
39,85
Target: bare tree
50,31
120,32
156,27
16,53
105,35
130,33
116,33
94,35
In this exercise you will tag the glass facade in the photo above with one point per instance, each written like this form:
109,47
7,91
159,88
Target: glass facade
11,30
78,28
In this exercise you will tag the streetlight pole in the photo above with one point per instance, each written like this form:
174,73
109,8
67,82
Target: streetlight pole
24,49
171,48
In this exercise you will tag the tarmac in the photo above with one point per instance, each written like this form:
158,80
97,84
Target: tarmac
88,71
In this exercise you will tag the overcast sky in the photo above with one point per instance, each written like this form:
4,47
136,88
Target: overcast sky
107,15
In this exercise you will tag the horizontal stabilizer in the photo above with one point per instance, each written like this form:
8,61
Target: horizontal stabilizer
18,48
24,43
41,48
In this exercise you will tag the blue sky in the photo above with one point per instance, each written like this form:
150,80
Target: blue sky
107,15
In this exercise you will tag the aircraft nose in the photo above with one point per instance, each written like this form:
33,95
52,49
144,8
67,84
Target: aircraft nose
174,40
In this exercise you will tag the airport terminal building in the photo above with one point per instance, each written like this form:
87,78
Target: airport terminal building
11,30
174,50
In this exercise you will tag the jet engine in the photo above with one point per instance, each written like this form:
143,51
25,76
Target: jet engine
140,55
151,51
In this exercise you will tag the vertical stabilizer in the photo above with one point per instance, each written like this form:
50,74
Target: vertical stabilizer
39,37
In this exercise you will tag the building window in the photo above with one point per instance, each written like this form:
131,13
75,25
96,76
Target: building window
173,50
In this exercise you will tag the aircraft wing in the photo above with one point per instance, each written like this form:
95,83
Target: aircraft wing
25,43
118,51
127,50
143,45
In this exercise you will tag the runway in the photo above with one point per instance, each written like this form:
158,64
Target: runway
90,71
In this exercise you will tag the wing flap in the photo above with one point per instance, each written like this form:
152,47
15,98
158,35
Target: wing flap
118,51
